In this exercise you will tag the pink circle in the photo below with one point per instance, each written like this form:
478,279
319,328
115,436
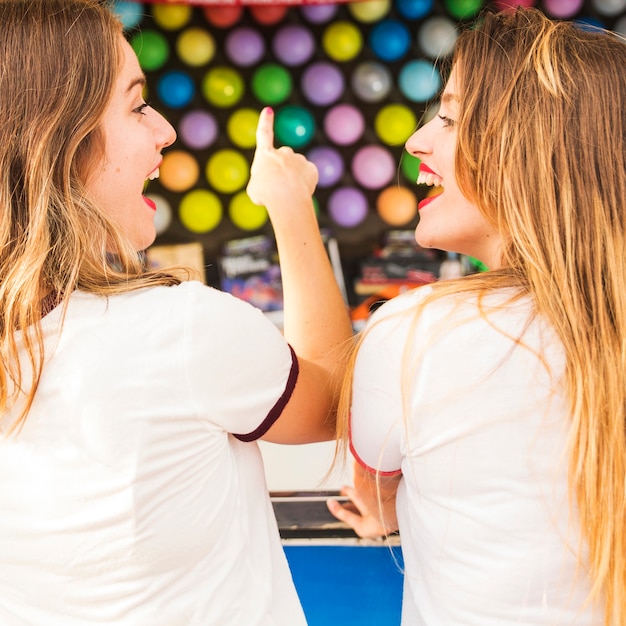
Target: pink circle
562,9
373,166
344,124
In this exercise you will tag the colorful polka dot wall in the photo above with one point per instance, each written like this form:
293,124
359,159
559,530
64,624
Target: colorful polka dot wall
349,83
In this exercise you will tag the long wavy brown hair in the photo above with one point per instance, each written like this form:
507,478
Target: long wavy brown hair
542,153
59,63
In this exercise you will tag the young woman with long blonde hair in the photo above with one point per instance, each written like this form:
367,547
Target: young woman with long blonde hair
132,490
494,405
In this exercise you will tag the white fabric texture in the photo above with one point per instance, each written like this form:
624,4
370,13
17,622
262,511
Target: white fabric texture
125,499
480,436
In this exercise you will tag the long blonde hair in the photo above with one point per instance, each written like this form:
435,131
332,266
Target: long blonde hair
60,60
542,153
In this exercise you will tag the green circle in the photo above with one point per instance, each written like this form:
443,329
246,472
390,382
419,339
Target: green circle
463,9
410,166
245,214
294,126
151,48
394,124
223,86
227,170
271,83
200,211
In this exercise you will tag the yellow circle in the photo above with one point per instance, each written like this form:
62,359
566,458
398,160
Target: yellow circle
179,170
241,127
195,46
223,86
370,10
200,211
245,214
342,41
171,16
394,124
396,206
227,170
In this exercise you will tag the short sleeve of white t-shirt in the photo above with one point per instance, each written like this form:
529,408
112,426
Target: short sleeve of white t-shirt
376,424
252,371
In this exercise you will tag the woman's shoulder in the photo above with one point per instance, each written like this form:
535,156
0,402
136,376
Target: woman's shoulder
429,304
159,301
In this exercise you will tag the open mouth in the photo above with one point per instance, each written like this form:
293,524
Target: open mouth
431,179
427,177
150,203
153,175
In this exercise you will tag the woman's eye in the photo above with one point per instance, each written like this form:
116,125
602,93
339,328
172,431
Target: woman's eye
140,109
447,122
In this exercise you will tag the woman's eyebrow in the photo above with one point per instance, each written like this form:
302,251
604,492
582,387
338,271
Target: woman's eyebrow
140,80
448,97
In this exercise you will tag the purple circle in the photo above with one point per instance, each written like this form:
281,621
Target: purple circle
344,124
293,44
244,46
329,164
322,83
373,166
198,129
318,13
347,206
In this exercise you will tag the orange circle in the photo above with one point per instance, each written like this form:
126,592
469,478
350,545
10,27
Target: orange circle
179,171
397,206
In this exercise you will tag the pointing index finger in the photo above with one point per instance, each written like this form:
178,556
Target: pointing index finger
265,130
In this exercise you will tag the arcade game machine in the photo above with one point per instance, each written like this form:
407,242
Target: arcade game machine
349,82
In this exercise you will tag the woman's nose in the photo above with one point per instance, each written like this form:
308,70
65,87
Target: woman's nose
417,144
165,132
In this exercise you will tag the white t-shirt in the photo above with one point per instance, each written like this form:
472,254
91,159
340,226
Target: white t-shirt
483,511
125,500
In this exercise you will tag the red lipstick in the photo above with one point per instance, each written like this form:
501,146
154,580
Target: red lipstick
424,168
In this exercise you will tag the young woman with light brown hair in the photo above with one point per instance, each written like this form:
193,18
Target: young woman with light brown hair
132,490
495,405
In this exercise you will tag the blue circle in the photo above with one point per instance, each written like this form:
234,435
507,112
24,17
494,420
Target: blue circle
590,24
414,9
419,80
129,13
390,40
176,89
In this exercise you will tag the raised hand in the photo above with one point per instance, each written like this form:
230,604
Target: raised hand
278,176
